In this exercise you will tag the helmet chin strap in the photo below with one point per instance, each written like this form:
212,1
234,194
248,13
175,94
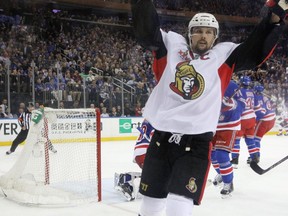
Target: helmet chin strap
213,42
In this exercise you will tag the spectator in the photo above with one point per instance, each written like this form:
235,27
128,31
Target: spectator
138,110
2,113
61,105
119,110
114,113
76,104
93,92
4,105
104,113
127,110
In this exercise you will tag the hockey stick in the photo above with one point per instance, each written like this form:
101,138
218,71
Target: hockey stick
256,168
235,92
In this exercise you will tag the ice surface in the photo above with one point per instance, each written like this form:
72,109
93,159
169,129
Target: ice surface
254,195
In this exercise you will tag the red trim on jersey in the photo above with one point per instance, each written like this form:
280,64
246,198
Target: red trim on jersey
235,124
225,74
268,56
206,175
268,116
226,171
158,66
247,112
142,146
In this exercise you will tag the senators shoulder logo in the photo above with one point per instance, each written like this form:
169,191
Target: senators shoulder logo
188,83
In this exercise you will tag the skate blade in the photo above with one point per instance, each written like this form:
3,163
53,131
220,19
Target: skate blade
118,188
127,196
209,182
226,196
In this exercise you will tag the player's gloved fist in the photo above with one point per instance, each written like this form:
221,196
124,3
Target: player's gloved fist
228,101
284,5
271,3
228,104
140,160
278,7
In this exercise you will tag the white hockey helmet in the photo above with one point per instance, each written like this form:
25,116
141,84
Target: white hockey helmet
203,20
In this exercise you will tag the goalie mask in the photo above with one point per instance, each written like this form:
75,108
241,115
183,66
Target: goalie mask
203,20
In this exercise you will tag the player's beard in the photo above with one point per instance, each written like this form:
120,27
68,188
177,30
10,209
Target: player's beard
200,48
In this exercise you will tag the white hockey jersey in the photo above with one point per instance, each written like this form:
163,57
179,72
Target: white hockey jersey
188,97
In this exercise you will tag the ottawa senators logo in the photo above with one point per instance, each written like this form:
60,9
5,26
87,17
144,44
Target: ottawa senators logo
188,83
191,186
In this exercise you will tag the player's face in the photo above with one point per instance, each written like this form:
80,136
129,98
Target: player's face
202,39
31,108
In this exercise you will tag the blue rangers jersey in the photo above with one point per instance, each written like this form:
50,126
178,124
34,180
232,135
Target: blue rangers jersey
231,109
263,108
247,97
143,141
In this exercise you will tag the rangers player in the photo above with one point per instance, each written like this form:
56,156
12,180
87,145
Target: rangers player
265,115
248,121
223,141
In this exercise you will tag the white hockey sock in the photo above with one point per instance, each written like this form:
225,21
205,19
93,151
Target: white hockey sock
179,205
152,206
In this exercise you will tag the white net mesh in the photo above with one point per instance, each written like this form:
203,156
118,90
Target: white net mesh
60,162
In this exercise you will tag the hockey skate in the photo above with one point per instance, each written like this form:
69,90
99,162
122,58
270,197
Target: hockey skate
9,152
122,185
256,159
217,180
235,162
52,149
227,189
127,191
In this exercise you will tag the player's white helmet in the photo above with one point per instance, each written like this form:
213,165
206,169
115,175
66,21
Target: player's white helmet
203,20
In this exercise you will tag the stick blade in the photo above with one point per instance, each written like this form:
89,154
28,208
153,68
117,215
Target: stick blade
256,168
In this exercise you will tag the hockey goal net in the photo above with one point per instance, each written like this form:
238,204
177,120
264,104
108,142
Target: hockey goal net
60,161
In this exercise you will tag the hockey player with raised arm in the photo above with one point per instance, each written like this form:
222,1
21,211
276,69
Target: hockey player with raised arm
223,141
184,106
265,115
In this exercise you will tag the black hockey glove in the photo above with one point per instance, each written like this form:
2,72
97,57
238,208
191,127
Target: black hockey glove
278,7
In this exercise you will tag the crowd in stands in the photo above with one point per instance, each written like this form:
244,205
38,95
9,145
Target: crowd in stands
242,8
57,58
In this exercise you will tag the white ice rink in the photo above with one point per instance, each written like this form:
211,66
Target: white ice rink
254,195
